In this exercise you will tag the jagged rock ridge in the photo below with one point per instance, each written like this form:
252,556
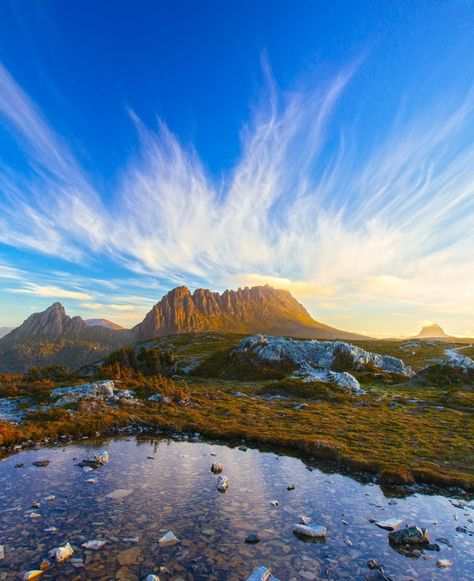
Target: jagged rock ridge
260,309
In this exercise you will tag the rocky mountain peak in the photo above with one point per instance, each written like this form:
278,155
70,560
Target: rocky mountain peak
52,322
259,309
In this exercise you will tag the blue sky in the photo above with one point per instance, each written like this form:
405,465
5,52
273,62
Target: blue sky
326,148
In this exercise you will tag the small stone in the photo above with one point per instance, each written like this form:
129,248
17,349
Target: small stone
152,577
252,538
91,481
94,545
243,448
41,464
35,505
444,563
290,487
34,574
129,556
373,565
77,563
222,483
305,520
168,539
217,468
390,524
2,552
310,531
274,502
34,515
45,565
410,535
49,498
261,574
62,553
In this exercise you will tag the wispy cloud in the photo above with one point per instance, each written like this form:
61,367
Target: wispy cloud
394,226
49,292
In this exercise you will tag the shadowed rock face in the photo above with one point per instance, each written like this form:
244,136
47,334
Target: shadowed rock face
53,322
260,309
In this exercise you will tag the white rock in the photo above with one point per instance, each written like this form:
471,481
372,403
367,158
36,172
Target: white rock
305,520
168,539
93,545
444,563
152,578
50,498
389,524
2,552
222,483
61,553
261,574
311,531
274,502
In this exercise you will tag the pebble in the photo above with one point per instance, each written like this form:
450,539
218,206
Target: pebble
274,502
222,483
305,520
34,574
390,524
2,552
444,563
290,487
168,539
311,531
62,553
94,545
252,538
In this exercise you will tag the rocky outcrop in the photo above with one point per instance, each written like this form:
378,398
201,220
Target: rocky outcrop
327,361
260,309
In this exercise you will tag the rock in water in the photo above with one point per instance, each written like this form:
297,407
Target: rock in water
152,578
217,468
252,538
305,520
168,539
62,553
32,574
410,535
390,524
262,574
222,483
2,552
93,545
310,531
444,563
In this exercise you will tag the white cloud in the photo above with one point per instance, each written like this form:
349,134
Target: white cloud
395,227
49,291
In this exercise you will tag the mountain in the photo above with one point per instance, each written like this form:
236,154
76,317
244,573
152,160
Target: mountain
4,331
103,323
54,338
260,309
431,332
51,323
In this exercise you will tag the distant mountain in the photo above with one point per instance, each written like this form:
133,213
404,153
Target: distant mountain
260,309
4,331
53,337
431,332
103,323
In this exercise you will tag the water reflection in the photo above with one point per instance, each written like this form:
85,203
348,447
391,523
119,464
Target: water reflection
152,486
